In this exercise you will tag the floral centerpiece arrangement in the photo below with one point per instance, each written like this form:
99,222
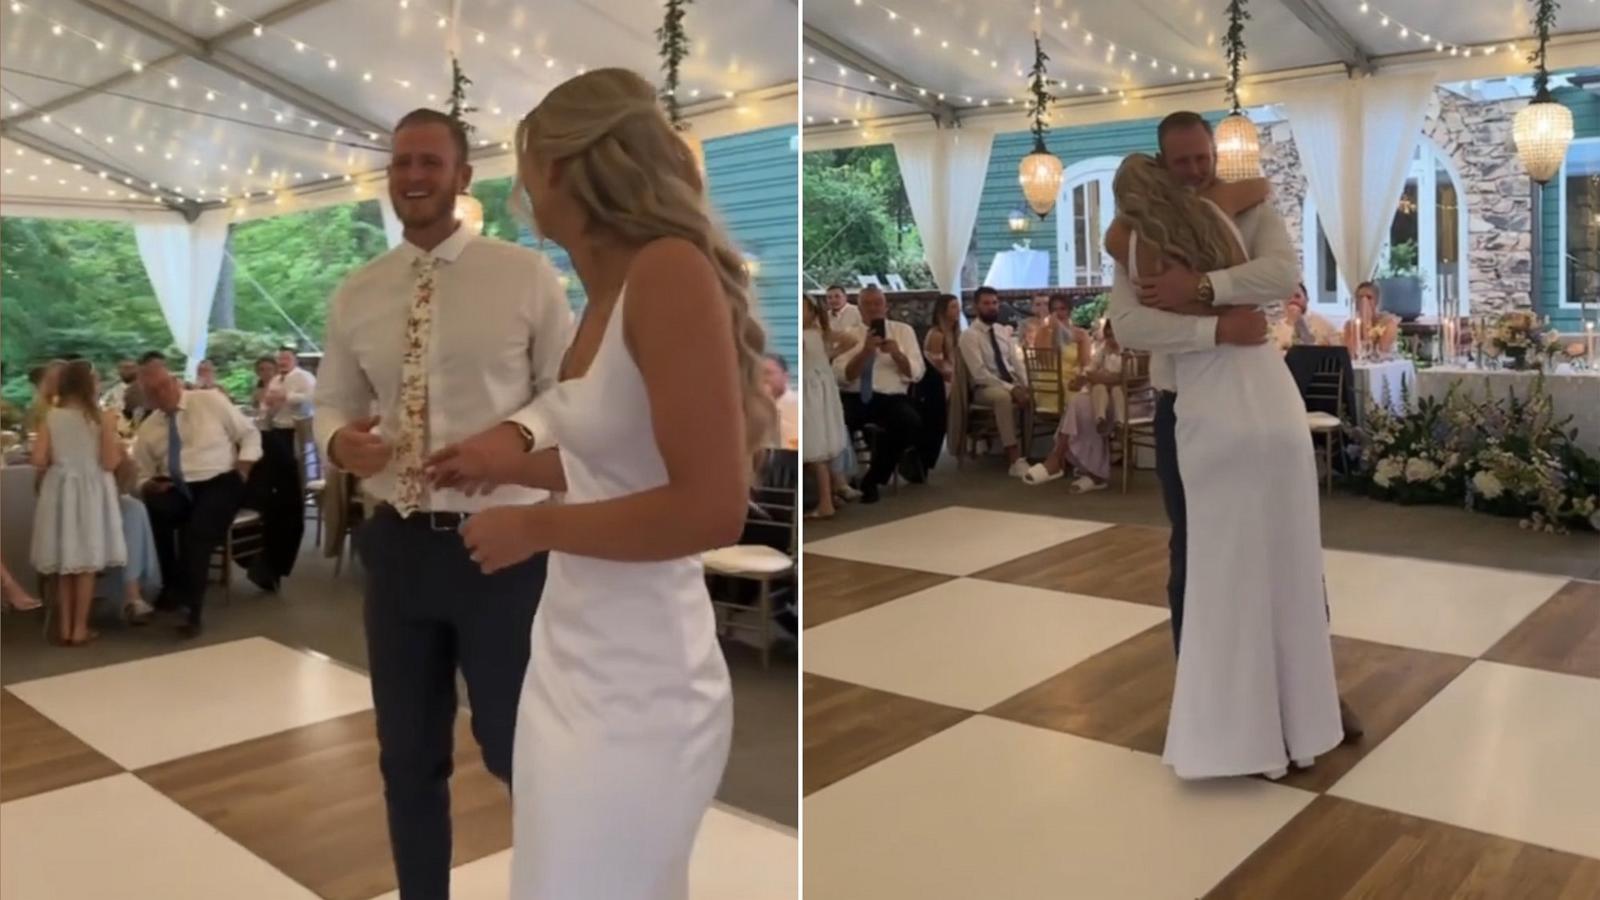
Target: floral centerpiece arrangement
1507,457
1520,340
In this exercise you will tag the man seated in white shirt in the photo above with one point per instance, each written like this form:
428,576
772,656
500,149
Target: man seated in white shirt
990,353
276,490
193,452
842,317
776,370
875,379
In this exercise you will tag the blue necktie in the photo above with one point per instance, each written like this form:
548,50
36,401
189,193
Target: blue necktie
999,358
175,454
866,380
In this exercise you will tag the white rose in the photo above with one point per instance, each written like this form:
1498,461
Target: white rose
1487,485
1389,468
1420,469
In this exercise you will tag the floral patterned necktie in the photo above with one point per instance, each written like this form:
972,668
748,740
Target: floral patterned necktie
411,445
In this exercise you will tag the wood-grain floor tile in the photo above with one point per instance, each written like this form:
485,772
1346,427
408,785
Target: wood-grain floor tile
849,727
1563,635
37,755
1339,850
1124,562
1123,695
310,802
835,588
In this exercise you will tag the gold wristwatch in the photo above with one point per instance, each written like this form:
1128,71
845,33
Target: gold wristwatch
528,439
1205,293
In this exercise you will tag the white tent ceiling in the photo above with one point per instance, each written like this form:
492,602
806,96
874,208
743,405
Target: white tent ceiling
181,102
878,63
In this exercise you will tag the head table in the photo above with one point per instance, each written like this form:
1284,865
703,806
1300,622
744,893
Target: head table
1572,393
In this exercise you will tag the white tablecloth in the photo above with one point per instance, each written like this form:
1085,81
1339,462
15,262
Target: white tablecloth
1575,394
1019,270
1380,382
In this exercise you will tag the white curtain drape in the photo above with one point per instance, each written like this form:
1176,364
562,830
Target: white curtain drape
184,261
1356,140
944,172
393,229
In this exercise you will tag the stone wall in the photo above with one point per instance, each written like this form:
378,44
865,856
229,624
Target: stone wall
1476,137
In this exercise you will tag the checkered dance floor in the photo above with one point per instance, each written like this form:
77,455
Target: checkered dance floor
986,696
249,771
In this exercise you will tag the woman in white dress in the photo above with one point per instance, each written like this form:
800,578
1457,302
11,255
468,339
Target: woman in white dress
1255,687
77,530
626,714
823,413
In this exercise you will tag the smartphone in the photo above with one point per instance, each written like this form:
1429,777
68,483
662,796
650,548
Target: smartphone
879,329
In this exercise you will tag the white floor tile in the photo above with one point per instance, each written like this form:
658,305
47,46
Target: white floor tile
1429,605
957,540
734,859
119,838
165,707
994,809
1502,749
971,644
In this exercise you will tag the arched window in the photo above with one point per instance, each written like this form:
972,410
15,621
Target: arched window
1578,226
1085,210
1429,227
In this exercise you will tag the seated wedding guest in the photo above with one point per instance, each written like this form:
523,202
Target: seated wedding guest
14,595
1300,326
875,382
130,584
1038,330
1082,440
776,371
1073,346
77,525
1371,328
194,452
125,394
841,315
205,376
990,353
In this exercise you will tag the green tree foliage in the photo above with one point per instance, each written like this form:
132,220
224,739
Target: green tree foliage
858,220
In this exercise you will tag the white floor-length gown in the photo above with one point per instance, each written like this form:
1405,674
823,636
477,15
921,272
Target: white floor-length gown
626,714
1255,686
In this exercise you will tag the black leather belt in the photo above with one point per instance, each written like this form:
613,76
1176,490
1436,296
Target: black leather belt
433,521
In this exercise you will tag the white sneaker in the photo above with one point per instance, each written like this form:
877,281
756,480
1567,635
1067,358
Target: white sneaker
1083,484
1019,469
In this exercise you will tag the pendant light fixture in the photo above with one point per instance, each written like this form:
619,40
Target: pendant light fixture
1238,143
1543,128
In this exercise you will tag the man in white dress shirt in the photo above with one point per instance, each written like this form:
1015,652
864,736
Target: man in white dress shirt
990,352
447,338
776,370
875,379
194,453
842,316
276,489
1141,312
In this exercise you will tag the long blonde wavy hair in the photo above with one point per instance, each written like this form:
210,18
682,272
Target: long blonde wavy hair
636,178
1171,218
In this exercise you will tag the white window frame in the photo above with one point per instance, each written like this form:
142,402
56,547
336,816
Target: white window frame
1097,168
1425,166
1561,228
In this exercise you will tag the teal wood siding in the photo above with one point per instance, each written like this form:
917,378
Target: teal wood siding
755,189
1002,193
1585,106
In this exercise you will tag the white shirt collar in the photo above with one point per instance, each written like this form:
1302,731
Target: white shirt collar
448,250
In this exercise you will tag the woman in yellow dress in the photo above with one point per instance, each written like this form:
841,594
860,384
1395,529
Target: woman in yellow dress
1072,347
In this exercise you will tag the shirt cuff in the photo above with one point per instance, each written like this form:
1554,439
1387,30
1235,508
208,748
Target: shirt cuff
1222,286
533,419
1205,331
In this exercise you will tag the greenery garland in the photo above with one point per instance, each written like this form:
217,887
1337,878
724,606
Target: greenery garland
1233,47
1544,18
459,108
673,50
1039,106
